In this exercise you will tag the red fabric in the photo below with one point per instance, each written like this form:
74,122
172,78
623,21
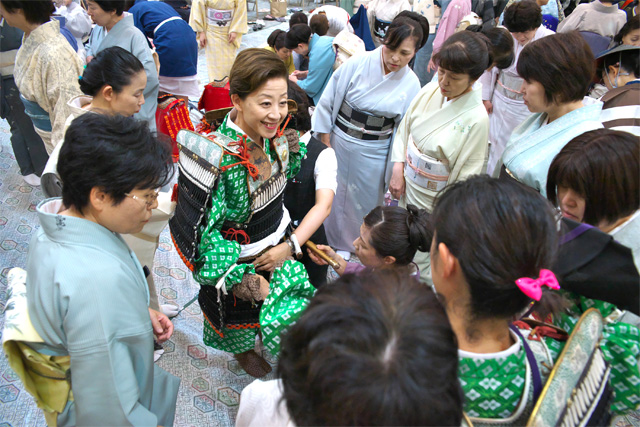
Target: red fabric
214,98
171,119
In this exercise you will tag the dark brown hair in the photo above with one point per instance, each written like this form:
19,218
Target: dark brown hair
276,39
35,11
603,166
401,28
252,68
500,231
467,53
372,349
319,24
562,63
399,232
523,16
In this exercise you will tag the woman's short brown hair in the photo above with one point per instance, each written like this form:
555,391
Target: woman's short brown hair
252,68
319,24
562,63
603,166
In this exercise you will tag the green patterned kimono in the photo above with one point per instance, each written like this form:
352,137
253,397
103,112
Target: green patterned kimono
217,256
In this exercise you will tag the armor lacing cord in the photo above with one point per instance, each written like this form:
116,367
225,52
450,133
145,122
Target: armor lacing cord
244,158
203,126
233,234
283,127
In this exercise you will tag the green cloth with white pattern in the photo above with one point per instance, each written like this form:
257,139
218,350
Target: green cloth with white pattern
289,295
216,255
620,346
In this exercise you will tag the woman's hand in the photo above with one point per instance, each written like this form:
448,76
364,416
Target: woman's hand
89,58
264,288
202,39
293,78
432,66
489,106
325,138
300,75
331,254
397,184
232,37
162,326
268,260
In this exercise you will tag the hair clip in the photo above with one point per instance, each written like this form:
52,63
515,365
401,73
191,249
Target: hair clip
79,77
533,287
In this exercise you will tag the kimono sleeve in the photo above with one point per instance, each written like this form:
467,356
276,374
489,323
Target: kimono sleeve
60,78
78,22
239,20
218,256
198,16
320,65
399,148
110,344
473,155
323,118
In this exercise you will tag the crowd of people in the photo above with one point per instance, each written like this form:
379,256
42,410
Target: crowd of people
389,203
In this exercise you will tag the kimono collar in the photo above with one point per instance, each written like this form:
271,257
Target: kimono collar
126,21
312,42
68,229
43,33
599,7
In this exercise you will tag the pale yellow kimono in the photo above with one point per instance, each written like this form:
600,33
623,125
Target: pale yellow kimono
46,72
456,133
218,18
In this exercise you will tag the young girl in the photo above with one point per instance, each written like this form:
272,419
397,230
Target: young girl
389,236
490,239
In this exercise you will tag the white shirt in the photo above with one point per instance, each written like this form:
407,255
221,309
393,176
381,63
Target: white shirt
326,167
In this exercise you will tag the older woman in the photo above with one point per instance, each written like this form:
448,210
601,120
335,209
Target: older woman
554,92
46,70
361,107
239,218
96,312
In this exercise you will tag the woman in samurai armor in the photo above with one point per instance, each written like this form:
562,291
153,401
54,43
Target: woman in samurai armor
220,25
230,221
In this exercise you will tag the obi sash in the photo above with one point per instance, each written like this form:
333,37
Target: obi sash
46,378
380,27
173,18
219,18
40,118
362,125
425,171
510,86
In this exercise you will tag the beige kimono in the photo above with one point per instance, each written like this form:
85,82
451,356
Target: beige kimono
46,72
454,134
218,18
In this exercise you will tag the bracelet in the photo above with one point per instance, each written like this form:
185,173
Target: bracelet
292,248
298,249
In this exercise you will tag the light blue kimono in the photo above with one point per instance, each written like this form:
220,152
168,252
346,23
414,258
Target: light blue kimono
128,37
362,83
87,298
321,59
534,144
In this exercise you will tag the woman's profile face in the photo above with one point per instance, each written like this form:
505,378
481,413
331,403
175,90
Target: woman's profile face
131,214
453,85
632,39
534,98
571,204
97,14
364,251
131,98
283,53
265,108
396,59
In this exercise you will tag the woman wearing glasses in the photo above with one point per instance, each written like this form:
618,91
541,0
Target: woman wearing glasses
86,291
113,83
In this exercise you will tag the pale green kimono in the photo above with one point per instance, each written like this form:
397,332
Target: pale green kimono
88,298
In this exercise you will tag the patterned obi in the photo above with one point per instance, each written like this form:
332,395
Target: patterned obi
510,86
40,118
425,171
362,125
219,18
380,27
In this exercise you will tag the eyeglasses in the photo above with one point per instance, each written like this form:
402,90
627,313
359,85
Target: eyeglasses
148,201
